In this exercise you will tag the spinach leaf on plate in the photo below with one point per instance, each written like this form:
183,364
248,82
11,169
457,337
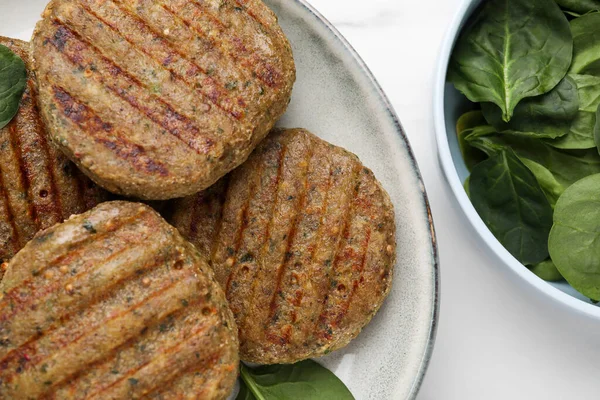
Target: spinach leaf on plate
547,271
547,116
13,80
467,124
512,49
512,204
579,6
567,166
586,45
574,242
306,380
581,132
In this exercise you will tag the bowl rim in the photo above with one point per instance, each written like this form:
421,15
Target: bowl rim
451,175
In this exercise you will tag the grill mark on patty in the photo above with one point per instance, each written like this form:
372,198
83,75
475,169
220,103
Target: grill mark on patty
244,6
355,284
50,164
317,240
270,78
89,121
128,330
75,250
205,51
196,334
25,174
29,345
292,239
201,203
353,262
305,276
244,223
209,364
10,218
323,289
337,256
103,364
282,149
31,341
170,48
153,295
35,158
215,243
177,387
212,97
178,125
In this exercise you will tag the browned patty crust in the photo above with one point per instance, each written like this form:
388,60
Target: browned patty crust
158,99
114,304
302,238
39,186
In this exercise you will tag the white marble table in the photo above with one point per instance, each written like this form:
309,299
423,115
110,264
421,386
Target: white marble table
496,340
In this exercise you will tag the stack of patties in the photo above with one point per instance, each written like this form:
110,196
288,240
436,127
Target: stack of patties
291,254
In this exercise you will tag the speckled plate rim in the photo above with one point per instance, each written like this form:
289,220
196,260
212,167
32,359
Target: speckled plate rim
451,175
427,352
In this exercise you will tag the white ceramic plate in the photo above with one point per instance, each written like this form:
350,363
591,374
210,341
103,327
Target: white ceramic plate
449,104
337,98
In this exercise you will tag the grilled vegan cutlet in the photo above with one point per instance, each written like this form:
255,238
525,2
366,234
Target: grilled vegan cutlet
158,99
302,239
114,304
39,186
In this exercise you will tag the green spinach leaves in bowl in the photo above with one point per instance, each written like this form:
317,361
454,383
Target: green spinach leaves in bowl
531,141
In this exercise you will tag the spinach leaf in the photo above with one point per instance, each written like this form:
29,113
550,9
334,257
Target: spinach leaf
512,49
580,6
567,166
466,186
581,132
546,116
466,125
512,204
597,129
13,80
570,14
547,271
588,89
551,187
244,393
586,45
306,380
575,237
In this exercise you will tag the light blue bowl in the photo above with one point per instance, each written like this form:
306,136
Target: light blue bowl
449,105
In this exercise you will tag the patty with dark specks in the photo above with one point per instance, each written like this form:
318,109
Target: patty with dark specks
158,99
302,239
114,304
39,186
